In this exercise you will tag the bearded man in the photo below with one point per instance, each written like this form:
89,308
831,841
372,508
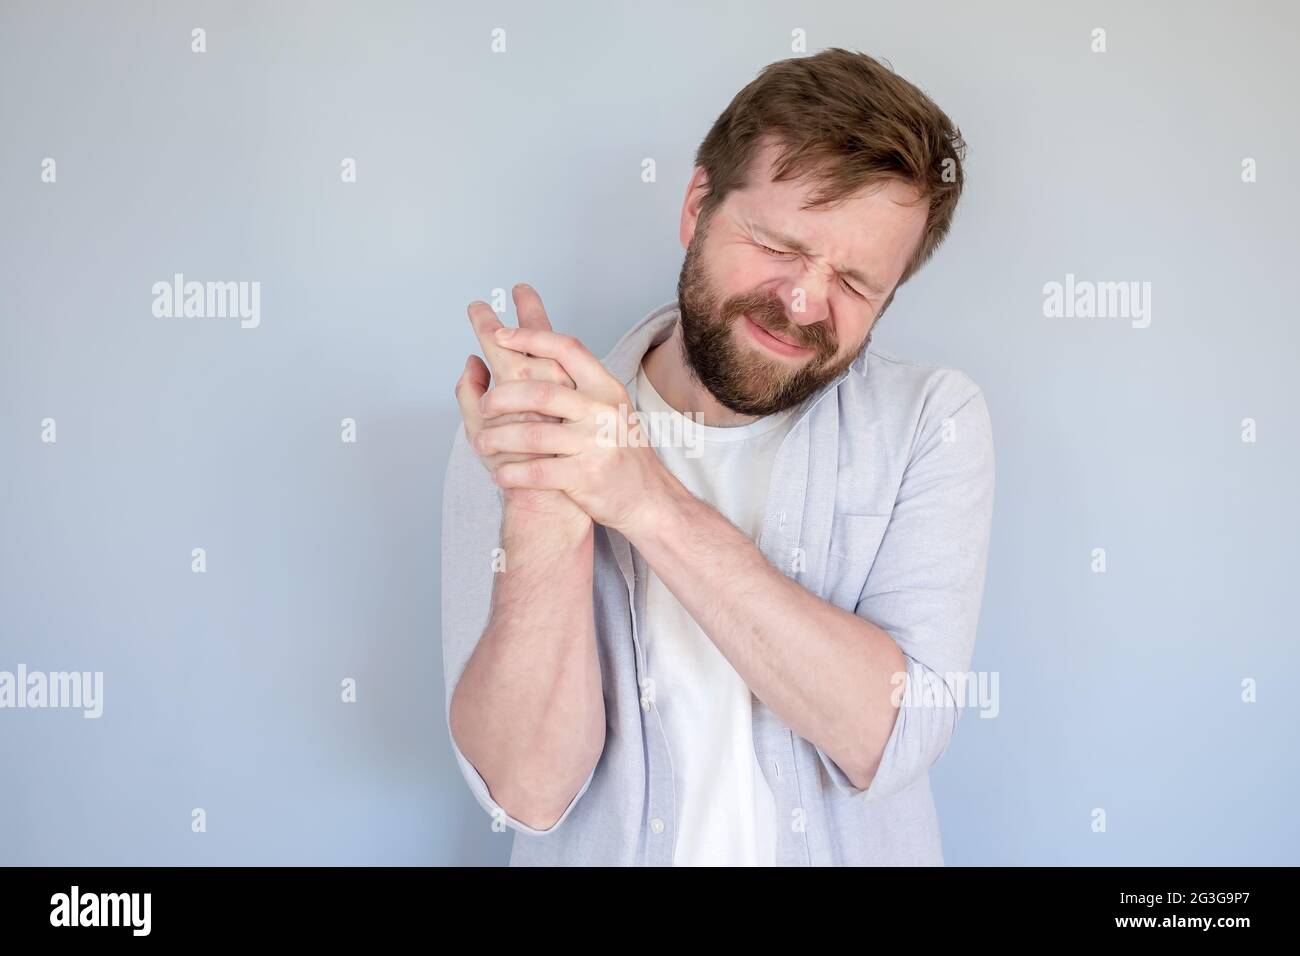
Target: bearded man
744,646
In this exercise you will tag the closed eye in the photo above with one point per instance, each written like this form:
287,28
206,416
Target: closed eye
844,282
851,290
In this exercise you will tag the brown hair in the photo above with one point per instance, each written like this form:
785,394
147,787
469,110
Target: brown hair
847,121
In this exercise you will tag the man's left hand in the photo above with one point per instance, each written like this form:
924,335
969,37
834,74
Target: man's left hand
604,460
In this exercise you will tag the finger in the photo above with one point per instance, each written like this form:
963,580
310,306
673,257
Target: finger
529,308
508,365
484,321
527,368
532,315
493,462
546,398
539,473
583,367
530,438
471,385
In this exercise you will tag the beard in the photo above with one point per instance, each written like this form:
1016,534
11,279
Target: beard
743,379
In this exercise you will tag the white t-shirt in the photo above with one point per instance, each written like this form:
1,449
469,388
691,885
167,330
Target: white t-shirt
726,814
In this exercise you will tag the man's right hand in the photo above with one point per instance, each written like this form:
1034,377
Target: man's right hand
528,711
509,366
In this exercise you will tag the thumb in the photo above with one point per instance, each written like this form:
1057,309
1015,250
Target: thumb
471,385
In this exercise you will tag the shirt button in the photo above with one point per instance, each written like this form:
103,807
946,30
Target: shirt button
657,825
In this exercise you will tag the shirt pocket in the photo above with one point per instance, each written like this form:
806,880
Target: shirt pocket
855,539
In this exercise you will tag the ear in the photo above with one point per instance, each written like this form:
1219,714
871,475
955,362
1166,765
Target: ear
696,190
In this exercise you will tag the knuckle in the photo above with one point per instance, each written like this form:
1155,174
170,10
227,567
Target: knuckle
542,392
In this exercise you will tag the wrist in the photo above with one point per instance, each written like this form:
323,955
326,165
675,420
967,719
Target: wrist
549,514
660,515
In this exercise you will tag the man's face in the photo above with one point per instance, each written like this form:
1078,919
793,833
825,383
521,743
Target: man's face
777,300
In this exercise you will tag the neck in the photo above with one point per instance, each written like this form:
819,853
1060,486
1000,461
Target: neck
665,366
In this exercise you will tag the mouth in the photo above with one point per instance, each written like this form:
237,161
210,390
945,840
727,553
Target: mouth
773,342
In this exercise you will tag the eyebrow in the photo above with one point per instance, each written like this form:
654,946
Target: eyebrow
794,245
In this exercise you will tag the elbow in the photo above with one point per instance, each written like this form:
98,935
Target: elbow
533,798
862,763
528,790
539,792
533,810
862,771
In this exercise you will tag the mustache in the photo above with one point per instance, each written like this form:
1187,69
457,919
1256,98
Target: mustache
770,315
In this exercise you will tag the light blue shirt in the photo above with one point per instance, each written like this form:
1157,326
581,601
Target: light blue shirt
880,502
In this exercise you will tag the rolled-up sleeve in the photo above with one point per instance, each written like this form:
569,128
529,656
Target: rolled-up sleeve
927,582
471,526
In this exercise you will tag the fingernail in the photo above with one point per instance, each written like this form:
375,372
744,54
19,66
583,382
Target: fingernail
505,333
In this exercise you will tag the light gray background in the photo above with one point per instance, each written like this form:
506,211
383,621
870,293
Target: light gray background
1119,691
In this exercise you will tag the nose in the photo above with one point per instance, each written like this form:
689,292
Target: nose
806,299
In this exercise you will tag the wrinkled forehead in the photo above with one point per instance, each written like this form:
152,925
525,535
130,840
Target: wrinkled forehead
797,193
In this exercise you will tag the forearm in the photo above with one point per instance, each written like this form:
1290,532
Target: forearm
528,710
827,673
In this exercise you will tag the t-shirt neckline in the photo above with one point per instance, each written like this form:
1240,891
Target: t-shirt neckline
648,399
